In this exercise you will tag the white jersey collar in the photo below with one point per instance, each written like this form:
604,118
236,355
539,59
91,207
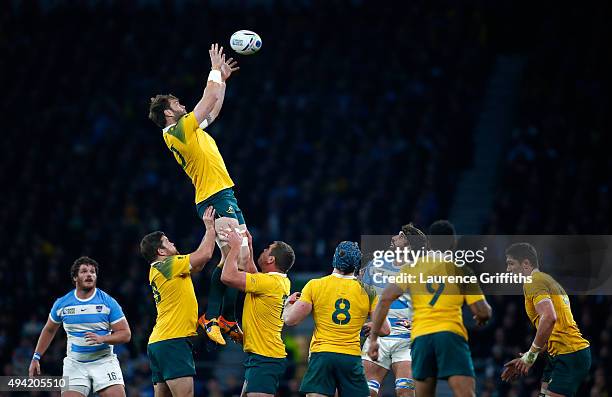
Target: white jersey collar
88,299
165,129
346,276
278,274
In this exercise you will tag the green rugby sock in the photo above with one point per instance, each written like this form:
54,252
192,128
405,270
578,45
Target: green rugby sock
215,296
229,304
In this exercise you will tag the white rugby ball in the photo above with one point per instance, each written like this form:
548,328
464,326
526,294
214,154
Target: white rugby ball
245,42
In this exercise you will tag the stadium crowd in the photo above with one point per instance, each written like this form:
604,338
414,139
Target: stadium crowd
323,143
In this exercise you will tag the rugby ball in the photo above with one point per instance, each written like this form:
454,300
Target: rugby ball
245,42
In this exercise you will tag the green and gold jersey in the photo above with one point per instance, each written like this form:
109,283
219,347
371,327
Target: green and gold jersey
340,307
437,307
262,316
565,337
177,307
196,151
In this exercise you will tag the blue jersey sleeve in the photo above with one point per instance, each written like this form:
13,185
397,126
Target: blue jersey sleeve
56,312
116,312
366,278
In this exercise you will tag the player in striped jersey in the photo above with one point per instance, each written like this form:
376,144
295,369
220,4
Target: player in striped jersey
394,353
548,308
439,337
93,322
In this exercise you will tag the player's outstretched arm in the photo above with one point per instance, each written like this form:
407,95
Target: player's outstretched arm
227,68
120,334
203,109
44,340
200,257
250,262
231,275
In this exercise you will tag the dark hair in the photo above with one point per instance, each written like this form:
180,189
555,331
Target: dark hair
283,255
150,244
416,238
442,235
83,260
522,251
158,104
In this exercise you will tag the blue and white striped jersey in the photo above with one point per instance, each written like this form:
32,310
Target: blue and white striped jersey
401,308
78,316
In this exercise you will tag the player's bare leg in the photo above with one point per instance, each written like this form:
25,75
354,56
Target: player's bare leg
462,386
112,391
374,374
181,387
161,390
545,392
426,388
404,384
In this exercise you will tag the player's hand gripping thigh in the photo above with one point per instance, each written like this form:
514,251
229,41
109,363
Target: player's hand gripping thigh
403,370
112,391
222,225
181,387
462,386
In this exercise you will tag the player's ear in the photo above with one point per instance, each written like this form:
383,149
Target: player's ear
168,113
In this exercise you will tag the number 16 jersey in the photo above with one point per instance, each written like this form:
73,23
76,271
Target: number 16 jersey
340,307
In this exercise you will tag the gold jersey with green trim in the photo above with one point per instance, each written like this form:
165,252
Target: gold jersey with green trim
175,300
197,152
340,307
437,307
262,315
565,337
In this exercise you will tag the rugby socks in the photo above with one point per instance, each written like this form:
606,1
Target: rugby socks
215,296
229,304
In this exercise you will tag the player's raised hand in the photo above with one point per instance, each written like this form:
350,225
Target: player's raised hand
216,56
373,350
209,218
228,67
34,369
